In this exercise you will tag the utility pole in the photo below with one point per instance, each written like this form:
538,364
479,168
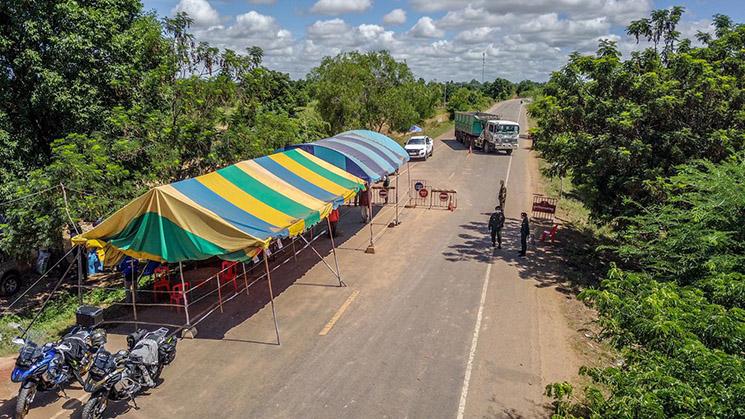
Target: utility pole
483,65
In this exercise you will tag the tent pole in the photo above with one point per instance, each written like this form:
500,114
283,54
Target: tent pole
397,222
333,250
133,289
371,247
294,252
183,289
408,174
245,276
271,295
80,275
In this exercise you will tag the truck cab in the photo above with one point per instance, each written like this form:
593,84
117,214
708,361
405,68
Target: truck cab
500,134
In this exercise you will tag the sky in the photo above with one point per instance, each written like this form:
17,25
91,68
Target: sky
439,39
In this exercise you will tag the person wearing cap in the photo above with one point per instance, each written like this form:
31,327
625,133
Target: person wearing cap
524,232
496,223
502,195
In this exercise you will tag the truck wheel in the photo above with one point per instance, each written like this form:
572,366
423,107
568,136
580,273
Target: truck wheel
486,147
509,151
10,284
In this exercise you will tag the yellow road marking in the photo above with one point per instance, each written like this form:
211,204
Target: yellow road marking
326,329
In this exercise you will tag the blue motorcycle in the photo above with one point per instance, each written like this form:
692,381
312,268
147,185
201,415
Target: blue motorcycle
53,365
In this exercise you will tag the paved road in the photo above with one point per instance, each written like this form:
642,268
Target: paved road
407,344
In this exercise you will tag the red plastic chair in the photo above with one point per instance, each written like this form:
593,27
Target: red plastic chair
550,234
177,294
161,283
227,274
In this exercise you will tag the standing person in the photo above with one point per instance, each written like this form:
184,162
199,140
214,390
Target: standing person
496,223
386,185
524,232
502,196
365,204
128,267
333,221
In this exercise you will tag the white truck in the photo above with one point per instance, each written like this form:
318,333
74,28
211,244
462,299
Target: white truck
486,131
419,147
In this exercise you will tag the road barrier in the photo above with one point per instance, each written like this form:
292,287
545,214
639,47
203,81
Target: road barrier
443,198
544,207
423,195
384,196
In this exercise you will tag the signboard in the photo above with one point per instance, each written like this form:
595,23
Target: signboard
418,186
544,206
444,196
383,193
423,193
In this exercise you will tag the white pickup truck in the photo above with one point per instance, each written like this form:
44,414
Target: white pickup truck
419,147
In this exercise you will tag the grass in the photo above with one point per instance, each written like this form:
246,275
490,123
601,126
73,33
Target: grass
58,316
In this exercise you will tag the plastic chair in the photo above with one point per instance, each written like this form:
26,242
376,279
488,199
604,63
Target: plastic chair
177,294
550,234
161,281
227,274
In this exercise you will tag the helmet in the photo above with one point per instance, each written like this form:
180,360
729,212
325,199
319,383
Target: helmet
98,338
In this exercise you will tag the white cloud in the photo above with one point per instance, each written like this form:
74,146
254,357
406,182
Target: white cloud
520,38
395,17
201,11
425,28
477,35
337,7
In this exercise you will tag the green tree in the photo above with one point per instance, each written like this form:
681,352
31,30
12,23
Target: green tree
617,125
465,99
370,90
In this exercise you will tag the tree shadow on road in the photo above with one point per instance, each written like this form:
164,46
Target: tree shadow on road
569,264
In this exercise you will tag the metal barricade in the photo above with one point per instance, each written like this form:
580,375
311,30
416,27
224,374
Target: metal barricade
383,196
544,207
418,193
443,198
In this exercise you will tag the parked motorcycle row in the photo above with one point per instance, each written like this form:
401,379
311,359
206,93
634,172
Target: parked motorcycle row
110,377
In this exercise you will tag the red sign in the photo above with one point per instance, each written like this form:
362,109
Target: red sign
383,193
423,193
544,206
444,196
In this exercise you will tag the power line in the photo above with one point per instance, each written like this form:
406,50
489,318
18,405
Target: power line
29,195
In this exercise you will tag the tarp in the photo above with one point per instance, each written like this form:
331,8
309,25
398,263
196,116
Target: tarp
232,213
367,158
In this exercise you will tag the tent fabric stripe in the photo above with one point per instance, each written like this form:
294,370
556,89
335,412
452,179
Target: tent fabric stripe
382,163
373,168
384,152
232,213
351,163
383,140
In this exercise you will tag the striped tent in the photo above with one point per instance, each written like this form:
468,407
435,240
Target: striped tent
232,213
361,155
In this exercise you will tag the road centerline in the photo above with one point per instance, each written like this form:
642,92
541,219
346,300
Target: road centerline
474,344
326,329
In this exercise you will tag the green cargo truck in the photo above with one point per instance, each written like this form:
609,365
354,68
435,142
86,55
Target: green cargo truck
486,131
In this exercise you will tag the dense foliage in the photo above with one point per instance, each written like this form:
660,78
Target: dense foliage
616,125
657,143
371,90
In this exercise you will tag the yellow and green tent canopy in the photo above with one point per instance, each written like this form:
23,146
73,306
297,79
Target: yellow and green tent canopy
232,213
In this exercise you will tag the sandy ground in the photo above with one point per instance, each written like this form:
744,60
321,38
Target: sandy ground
406,343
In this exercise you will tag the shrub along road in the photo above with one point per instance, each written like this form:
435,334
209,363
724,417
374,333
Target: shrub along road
406,343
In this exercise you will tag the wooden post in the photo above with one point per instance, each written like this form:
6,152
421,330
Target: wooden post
186,297
80,274
245,276
271,295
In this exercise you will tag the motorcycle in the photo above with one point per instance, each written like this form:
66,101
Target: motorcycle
54,365
128,372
